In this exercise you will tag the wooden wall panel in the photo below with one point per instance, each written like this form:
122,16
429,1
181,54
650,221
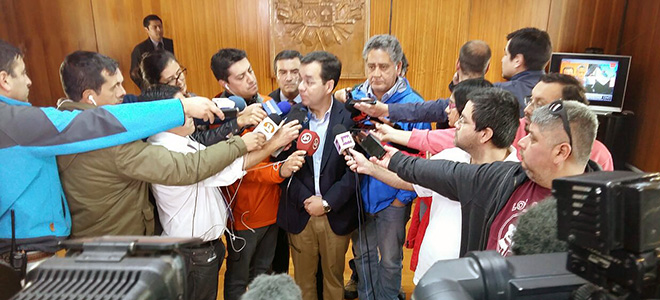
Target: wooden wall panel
492,20
577,25
47,30
641,39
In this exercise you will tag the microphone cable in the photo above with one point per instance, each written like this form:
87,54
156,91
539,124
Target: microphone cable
366,239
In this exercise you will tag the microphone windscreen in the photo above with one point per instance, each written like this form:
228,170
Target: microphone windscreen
338,129
240,102
308,141
266,287
536,232
285,107
297,113
276,118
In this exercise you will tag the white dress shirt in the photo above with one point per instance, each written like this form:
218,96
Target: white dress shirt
196,210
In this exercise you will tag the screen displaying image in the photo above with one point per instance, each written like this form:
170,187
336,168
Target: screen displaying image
597,76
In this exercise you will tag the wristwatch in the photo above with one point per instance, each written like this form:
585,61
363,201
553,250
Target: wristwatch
326,207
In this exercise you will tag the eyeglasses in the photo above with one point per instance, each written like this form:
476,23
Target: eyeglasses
179,74
557,108
451,105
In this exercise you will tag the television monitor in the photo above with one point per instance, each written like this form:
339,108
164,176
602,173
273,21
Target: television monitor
604,77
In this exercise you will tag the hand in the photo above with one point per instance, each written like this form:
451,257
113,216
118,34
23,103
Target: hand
293,163
379,109
385,160
251,115
286,134
384,132
254,141
314,206
201,108
340,95
358,163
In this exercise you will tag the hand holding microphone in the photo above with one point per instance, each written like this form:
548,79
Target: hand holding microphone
252,115
269,126
293,163
253,141
287,133
358,163
201,108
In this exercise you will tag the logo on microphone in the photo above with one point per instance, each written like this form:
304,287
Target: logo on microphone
346,139
269,127
316,144
306,138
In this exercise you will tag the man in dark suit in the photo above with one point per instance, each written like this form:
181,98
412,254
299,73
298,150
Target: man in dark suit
287,72
318,207
153,25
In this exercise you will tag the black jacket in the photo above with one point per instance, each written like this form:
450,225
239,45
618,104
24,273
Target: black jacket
483,190
337,184
139,50
275,95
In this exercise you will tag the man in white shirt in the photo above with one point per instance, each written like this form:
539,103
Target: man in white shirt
484,133
200,210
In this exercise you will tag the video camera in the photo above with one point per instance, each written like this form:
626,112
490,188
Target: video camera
611,221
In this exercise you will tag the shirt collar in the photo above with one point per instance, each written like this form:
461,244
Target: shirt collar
11,101
326,115
296,100
156,43
525,73
399,86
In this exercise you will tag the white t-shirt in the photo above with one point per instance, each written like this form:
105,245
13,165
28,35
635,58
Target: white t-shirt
442,239
196,210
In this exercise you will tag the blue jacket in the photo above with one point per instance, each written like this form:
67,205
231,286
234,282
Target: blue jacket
521,86
377,195
30,138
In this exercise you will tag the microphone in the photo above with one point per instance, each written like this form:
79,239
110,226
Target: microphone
285,107
308,141
536,232
297,113
343,139
271,107
280,286
269,125
239,102
370,144
356,115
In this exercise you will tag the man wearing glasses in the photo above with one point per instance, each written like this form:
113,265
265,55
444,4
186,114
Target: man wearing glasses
552,86
492,196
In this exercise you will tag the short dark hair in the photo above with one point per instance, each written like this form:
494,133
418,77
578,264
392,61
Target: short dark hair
8,56
463,88
158,92
286,54
149,18
153,63
474,57
225,58
572,88
496,109
330,65
534,45
81,70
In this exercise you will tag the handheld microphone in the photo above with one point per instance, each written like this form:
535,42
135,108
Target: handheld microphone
356,115
308,141
370,144
239,102
343,139
285,107
269,125
271,107
297,113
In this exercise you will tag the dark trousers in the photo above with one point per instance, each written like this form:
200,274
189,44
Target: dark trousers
281,259
255,258
203,264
